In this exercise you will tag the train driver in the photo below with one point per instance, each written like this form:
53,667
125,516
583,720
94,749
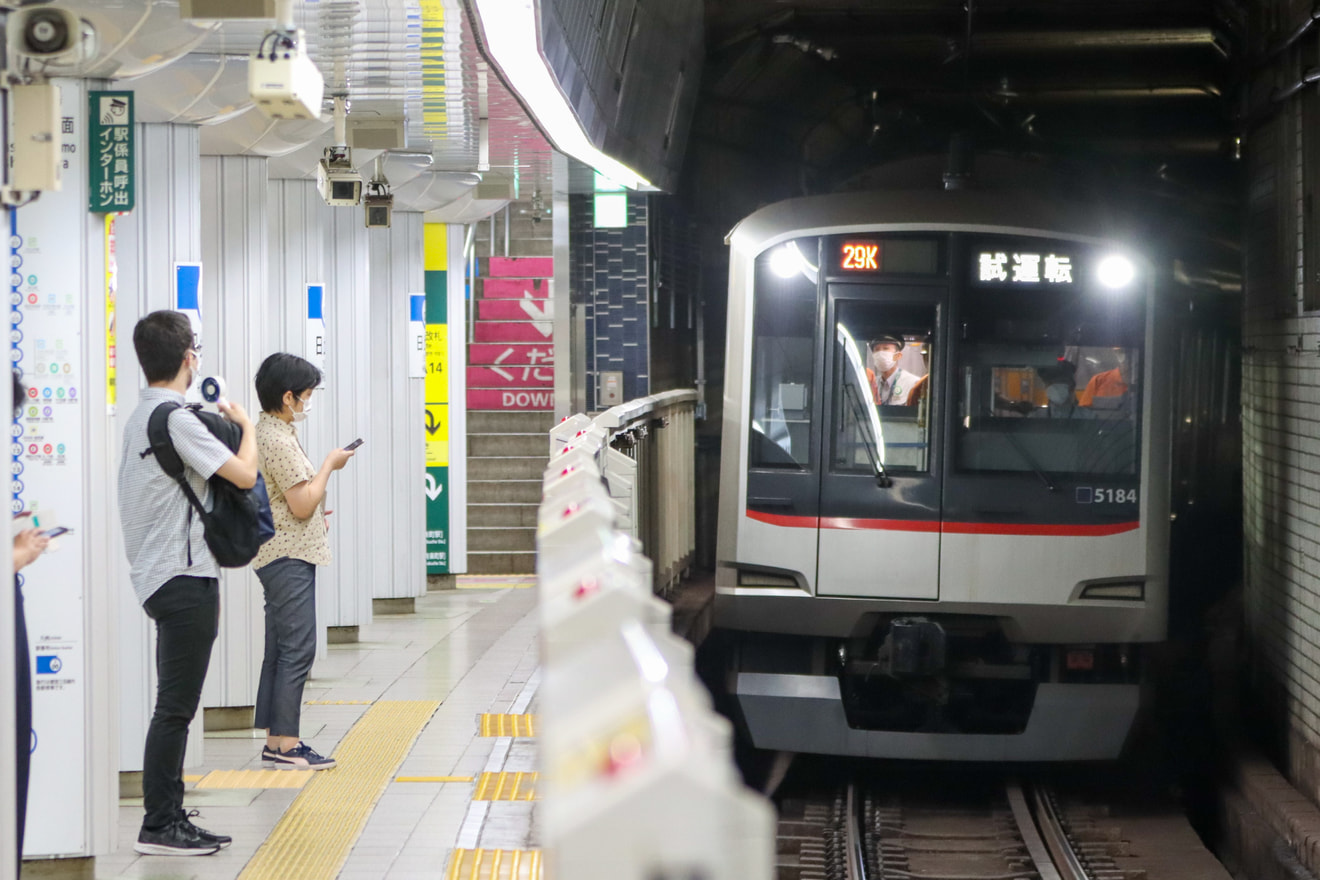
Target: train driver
891,385
1060,391
1111,383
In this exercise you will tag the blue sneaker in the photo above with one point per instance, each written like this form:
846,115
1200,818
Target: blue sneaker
300,757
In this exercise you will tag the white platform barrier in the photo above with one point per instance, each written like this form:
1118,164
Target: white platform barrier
639,782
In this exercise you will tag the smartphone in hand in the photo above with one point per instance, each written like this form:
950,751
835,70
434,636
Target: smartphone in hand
56,532
354,445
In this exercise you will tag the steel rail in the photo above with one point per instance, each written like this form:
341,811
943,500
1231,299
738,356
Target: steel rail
854,836
1037,848
1056,838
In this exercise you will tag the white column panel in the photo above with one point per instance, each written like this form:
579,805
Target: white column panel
236,336
298,235
456,278
398,526
340,415
163,229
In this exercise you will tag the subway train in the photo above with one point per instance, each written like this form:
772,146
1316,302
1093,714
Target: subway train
958,431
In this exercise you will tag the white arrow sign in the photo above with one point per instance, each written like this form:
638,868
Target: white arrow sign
540,316
433,489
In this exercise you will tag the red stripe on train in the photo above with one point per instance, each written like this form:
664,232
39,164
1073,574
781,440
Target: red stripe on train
955,528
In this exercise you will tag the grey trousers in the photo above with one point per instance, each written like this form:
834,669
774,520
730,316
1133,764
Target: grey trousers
290,588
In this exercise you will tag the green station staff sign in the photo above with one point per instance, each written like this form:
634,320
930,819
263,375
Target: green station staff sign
111,152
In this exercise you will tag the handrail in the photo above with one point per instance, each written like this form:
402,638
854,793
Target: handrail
638,771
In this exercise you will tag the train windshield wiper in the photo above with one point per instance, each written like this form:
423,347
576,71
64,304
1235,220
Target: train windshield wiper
1021,451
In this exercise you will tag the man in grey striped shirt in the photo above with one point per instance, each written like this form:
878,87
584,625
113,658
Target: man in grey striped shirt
174,574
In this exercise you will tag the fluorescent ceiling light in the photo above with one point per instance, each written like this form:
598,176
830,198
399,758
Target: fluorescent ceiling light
511,31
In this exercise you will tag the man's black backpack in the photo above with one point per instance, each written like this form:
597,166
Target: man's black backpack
239,520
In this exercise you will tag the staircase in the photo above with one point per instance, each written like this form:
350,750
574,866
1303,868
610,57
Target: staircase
510,412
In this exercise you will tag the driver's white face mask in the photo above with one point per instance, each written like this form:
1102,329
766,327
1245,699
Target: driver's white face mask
885,360
1059,394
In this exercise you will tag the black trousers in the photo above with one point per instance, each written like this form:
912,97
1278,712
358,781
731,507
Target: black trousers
187,615
23,715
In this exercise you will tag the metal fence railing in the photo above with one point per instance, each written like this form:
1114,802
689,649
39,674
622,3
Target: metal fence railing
651,473
639,781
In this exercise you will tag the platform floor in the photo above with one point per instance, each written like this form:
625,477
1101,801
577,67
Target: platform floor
407,702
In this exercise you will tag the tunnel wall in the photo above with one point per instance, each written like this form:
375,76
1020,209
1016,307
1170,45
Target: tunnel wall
1281,426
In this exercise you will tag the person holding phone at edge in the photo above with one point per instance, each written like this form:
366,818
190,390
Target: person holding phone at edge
174,574
286,564
28,545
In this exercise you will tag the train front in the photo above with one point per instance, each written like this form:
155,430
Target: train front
944,500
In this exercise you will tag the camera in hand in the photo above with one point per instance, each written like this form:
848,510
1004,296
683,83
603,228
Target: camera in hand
213,389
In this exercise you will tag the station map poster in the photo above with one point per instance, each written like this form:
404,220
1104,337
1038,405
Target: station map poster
435,261
47,300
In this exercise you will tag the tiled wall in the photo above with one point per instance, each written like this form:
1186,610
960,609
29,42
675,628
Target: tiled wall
610,283
1281,436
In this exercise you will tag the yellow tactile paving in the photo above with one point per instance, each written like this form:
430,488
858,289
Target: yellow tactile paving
494,864
433,779
255,779
507,787
188,777
313,839
338,702
508,725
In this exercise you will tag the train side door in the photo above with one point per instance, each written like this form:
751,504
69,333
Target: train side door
880,486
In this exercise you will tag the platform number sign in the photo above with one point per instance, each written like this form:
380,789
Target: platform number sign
112,153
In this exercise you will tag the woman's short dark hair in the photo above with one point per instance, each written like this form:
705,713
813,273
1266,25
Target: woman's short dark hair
162,340
283,372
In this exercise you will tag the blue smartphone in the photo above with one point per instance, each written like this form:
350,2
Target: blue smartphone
56,532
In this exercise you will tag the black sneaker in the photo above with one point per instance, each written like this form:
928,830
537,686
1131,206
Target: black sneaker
220,840
300,757
178,839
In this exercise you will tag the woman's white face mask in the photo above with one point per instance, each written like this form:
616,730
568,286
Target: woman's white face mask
1059,394
300,415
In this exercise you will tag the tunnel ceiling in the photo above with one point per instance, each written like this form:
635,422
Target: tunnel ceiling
799,97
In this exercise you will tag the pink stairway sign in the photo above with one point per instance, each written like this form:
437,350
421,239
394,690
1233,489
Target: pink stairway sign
511,377
522,398
513,331
522,267
514,310
510,355
515,288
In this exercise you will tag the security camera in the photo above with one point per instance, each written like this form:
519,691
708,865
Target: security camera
338,182
378,209
50,36
282,80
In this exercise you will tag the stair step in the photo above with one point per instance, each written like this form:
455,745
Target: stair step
508,467
511,423
506,445
529,263
502,515
501,563
504,492
513,288
501,540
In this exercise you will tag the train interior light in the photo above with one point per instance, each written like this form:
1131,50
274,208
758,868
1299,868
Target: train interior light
1115,271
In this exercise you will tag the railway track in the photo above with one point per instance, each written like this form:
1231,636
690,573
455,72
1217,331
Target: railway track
862,832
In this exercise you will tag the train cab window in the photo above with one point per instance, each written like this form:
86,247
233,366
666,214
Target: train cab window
783,355
1050,385
882,387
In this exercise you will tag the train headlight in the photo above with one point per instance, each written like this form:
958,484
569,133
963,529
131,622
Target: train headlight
1115,271
786,262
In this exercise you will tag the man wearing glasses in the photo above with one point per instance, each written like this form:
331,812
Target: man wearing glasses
174,574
